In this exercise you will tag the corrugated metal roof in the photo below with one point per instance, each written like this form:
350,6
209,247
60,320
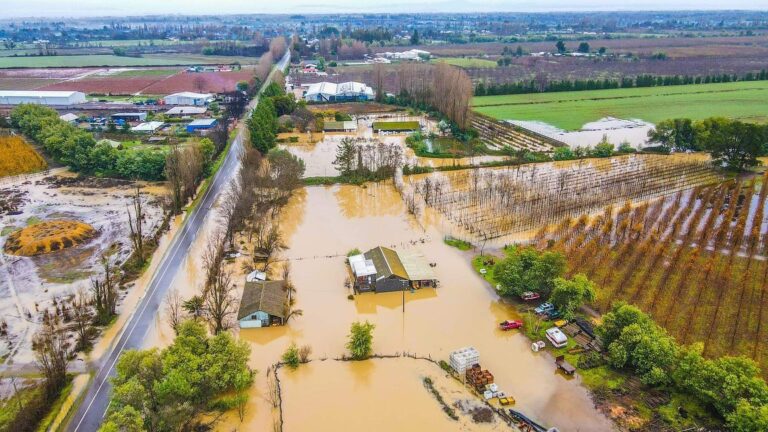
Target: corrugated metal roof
416,266
265,296
387,262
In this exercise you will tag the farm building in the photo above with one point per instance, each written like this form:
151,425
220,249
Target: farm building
148,127
188,98
201,124
55,98
263,304
382,270
130,117
340,126
331,92
185,111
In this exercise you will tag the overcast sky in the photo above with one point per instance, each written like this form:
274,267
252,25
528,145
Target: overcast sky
63,8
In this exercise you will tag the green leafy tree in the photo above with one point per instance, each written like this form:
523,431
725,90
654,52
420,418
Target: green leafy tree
182,386
263,126
291,356
415,39
748,417
603,149
563,153
733,144
569,295
526,269
675,133
360,344
242,86
583,47
560,45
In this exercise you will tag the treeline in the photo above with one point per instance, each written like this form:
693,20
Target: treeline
543,85
443,87
733,144
732,386
76,148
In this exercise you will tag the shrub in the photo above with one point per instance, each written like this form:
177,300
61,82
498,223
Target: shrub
291,357
360,342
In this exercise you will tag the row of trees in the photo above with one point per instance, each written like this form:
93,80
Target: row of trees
732,386
78,149
733,144
442,87
543,84
360,160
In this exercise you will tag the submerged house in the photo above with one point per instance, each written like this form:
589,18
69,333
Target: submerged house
263,304
383,269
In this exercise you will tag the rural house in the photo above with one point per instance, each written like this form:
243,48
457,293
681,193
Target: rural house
263,304
383,270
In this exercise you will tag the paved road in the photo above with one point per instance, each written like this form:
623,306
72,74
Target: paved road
90,413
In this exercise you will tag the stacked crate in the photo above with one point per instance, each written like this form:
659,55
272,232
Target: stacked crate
462,359
479,378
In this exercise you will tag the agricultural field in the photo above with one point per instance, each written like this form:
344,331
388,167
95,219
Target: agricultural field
571,110
113,60
18,157
147,81
466,62
695,261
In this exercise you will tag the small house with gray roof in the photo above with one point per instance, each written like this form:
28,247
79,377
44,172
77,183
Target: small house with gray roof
263,304
383,269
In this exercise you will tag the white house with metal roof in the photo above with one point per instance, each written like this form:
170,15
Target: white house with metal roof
344,92
188,98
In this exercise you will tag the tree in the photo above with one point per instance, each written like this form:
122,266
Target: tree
621,315
733,144
242,86
52,355
526,269
82,318
583,47
602,50
345,156
748,417
195,306
603,149
563,153
182,387
220,301
678,133
136,226
568,295
104,292
291,356
174,309
378,81
560,45
263,126
360,342
415,39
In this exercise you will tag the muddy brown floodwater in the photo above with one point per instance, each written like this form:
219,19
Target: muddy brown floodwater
320,225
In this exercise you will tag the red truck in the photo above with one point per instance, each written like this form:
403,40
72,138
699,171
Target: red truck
530,296
510,325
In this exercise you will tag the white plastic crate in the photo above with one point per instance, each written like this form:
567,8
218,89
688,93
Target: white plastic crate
462,359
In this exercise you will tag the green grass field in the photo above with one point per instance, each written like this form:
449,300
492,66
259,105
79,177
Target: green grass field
396,126
466,62
570,110
111,60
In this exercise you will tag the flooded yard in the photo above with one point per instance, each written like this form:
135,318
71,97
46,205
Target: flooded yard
321,224
30,285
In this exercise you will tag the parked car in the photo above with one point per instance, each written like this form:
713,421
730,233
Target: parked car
530,295
553,314
510,325
544,308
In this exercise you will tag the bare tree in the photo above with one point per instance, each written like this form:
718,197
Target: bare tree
174,309
220,301
183,170
104,291
135,224
378,81
82,318
273,244
51,352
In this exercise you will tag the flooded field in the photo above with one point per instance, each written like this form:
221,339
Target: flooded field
29,285
634,132
321,224
367,387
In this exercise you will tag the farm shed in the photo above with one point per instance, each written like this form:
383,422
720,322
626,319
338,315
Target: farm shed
263,304
201,124
188,98
344,92
55,98
383,270
340,126
148,127
130,117
183,111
